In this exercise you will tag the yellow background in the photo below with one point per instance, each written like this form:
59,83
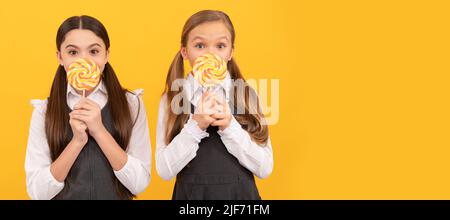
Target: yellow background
364,108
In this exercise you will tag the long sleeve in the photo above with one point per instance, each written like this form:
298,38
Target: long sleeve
172,158
135,175
40,182
256,158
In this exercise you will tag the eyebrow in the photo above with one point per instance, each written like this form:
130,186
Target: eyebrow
223,37
197,37
201,38
92,45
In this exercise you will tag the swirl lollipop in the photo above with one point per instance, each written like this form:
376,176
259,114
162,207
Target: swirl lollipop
83,75
209,70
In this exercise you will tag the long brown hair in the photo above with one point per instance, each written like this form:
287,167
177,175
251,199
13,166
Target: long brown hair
57,114
252,123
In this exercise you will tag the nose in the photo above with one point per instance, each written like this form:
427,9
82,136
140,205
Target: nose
212,49
85,55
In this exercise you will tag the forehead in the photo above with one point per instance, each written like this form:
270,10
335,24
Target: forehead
82,38
210,31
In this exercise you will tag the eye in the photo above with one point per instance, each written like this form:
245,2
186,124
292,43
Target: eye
72,52
199,46
221,46
94,51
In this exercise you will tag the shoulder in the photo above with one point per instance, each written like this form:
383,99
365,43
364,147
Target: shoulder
163,103
38,115
39,105
135,96
162,108
135,93
163,99
135,102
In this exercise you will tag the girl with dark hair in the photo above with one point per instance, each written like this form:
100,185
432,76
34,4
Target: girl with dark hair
93,147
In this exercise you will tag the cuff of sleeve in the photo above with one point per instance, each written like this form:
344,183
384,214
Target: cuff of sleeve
233,128
130,177
192,128
122,173
52,179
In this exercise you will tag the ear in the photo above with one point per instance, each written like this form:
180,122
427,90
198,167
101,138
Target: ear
183,52
231,54
58,56
107,55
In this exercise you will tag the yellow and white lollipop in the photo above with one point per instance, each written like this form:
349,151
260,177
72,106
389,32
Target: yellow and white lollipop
83,74
209,69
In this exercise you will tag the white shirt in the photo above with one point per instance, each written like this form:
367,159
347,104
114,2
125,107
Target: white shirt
135,175
172,158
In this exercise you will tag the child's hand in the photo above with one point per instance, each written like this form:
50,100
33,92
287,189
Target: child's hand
90,113
204,110
79,131
223,114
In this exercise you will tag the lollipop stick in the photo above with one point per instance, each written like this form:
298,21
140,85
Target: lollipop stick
84,93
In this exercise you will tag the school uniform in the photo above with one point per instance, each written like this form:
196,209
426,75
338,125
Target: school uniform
91,176
211,164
